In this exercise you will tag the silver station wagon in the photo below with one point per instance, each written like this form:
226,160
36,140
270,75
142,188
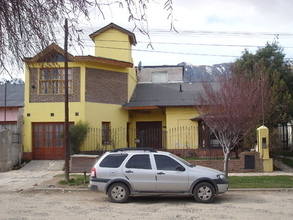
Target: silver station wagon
144,171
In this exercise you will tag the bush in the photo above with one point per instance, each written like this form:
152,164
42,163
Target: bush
77,135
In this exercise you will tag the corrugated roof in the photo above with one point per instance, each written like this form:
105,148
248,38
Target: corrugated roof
163,95
14,95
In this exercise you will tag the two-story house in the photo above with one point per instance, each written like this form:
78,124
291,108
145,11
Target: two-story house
98,86
125,107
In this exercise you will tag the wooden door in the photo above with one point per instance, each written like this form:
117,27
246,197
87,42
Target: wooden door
48,141
149,134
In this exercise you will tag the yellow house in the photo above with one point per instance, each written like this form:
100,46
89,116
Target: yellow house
98,86
125,107
162,112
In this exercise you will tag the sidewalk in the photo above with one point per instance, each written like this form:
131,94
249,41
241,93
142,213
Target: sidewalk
36,172
31,175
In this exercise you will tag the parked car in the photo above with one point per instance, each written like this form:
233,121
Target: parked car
145,171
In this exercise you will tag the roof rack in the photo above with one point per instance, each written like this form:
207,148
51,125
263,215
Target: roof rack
134,149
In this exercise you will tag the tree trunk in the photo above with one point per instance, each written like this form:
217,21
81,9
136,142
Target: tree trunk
226,160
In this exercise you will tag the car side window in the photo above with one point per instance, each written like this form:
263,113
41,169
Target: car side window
113,160
140,161
166,163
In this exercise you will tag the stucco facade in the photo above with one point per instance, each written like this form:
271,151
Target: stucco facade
98,86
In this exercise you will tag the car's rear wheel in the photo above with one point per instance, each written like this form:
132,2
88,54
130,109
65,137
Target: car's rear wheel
204,192
118,192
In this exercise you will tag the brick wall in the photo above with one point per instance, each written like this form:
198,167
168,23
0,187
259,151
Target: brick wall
34,94
234,165
104,86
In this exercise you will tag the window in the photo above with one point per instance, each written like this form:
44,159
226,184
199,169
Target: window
106,133
9,126
165,163
113,160
139,162
52,81
159,77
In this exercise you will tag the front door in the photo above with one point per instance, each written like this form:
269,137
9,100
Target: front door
48,141
149,134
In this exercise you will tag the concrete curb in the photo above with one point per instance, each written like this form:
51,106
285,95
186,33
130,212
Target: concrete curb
230,190
262,189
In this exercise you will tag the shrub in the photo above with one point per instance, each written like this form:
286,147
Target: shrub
77,135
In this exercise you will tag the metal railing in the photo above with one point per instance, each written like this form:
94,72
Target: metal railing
176,138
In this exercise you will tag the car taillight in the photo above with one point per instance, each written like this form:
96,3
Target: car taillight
93,172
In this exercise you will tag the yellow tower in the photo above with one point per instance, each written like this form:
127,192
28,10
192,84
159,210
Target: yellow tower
263,148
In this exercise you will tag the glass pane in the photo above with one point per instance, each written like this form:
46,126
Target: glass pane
48,143
139,162
45,74
37,143
59,143
113,160
55,74
165,163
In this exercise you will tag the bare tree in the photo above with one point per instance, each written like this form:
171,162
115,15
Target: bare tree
28,26
234,107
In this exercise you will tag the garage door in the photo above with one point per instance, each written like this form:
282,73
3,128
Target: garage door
48,141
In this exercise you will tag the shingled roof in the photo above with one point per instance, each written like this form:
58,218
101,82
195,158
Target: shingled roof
152,96
14,95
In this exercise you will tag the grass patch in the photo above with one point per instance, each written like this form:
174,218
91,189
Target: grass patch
75,180
260,182
236,182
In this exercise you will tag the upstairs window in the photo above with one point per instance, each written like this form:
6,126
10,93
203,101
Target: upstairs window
160,77
52,81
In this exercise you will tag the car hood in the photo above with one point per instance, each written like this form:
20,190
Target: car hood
205,171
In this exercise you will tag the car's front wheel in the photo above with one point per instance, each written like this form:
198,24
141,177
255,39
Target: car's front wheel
204,192
118,192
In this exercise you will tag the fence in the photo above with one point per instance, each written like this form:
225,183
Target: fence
10,150
285,135
175,139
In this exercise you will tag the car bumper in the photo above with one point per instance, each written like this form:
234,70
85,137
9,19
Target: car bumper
223,188
93,187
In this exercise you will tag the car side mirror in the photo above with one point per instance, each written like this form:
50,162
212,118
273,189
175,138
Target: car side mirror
180,168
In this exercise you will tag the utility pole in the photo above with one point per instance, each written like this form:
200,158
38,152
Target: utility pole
5,100
66,136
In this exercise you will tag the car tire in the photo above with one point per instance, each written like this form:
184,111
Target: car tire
118,192
204,192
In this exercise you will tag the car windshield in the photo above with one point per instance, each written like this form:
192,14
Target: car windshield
182,160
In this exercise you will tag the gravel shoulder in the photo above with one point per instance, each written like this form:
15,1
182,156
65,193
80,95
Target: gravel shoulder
54,204
34,193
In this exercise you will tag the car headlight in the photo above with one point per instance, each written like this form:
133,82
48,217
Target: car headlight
221,176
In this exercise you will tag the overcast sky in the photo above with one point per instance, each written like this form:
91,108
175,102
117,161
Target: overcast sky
209,31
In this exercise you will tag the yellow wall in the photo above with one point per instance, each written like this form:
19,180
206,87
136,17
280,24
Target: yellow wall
180,116
180,131
113,44
94,113
183,133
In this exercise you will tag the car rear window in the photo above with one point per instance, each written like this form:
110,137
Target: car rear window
113,160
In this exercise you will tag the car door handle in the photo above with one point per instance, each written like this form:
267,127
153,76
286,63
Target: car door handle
129,171
161,173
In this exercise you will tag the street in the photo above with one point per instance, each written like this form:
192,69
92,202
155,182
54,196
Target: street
54,204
